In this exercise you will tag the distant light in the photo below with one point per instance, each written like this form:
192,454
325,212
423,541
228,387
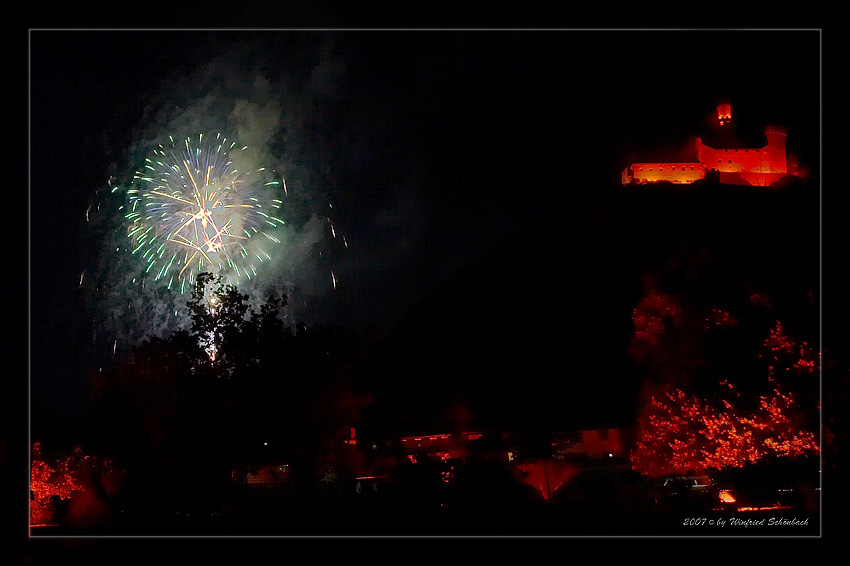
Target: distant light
265,443
610,455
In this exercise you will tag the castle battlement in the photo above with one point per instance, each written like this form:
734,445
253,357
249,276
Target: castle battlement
762,166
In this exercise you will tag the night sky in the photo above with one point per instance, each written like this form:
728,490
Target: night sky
443,157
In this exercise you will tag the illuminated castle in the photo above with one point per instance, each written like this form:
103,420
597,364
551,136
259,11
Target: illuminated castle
762,166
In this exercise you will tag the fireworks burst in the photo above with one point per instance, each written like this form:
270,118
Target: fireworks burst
192,209
203,202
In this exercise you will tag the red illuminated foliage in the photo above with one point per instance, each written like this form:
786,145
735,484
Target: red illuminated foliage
48,482
761,300
656,314
784,352
667,336
681,433
61,478
778,342
720,318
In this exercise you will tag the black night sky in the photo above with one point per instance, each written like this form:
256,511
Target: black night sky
471,179
433,148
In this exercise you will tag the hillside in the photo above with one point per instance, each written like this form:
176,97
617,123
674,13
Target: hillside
536,333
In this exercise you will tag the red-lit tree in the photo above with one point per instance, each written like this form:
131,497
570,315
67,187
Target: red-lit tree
47,483
79,476
784,353
658,319
669,336
692,420
681,433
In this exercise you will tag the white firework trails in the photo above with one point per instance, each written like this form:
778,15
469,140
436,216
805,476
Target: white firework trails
201,206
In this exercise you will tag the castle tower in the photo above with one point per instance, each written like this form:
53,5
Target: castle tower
776,149
724,114
725,134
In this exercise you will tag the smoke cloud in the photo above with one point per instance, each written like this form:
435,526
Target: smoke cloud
274,109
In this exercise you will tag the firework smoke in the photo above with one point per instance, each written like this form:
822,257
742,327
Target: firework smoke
253,208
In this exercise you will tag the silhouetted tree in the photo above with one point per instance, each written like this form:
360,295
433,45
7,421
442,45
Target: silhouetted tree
236,389
220,323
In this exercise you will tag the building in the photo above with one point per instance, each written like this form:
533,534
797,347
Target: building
584,447
595,445
761,166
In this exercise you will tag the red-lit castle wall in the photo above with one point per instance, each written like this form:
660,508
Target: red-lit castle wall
758,167
679,173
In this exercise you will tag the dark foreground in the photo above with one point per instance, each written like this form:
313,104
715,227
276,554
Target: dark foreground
274,512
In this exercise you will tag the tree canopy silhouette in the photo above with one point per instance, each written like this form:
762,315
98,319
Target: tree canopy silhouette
236,389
